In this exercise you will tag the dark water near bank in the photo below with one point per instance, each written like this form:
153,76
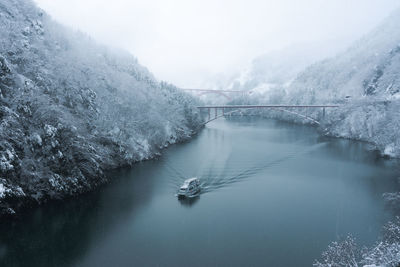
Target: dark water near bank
274,194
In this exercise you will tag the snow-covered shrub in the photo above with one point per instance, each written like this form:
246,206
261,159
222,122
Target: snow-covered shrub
383,254
341,253
386,252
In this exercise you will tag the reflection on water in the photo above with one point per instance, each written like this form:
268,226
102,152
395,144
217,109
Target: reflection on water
59,233
269,190
3,251
189,201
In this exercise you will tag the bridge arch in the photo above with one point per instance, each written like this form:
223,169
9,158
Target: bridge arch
225,93
221,93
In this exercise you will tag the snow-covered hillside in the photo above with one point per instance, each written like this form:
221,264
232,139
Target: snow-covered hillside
368,68
266,73
71,109
365,79
279,68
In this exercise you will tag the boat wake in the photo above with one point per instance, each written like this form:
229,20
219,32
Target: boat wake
230,172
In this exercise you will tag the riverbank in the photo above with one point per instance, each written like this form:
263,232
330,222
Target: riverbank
14,201
370,120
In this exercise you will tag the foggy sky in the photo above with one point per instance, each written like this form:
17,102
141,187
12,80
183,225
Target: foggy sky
187,41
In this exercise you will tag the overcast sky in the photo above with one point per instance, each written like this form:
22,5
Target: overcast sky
186,41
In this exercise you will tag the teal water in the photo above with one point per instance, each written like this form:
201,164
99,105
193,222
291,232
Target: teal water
274,194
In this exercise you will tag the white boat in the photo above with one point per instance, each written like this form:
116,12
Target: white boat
190,188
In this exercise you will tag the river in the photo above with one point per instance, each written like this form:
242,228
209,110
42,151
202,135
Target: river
274,194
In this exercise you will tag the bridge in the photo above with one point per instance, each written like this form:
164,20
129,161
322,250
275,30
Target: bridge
224,93
230,109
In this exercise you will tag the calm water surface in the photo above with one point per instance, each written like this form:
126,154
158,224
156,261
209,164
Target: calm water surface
274,194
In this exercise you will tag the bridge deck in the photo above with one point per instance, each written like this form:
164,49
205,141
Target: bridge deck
268,106
215,91
278,107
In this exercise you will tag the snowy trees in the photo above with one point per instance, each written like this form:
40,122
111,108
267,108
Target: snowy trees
342,253
71,109
386,252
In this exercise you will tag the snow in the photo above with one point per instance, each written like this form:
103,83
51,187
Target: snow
278,68
389,150
71,108
50,131
2,191
37,139
5,164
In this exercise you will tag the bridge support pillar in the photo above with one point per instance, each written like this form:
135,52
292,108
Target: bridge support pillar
216,112
323,112
209,114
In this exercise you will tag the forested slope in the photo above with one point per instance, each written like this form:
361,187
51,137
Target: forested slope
71,109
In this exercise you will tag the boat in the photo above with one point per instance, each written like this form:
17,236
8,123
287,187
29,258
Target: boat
190,188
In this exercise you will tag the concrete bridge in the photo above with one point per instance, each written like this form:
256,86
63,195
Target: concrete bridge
229,109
